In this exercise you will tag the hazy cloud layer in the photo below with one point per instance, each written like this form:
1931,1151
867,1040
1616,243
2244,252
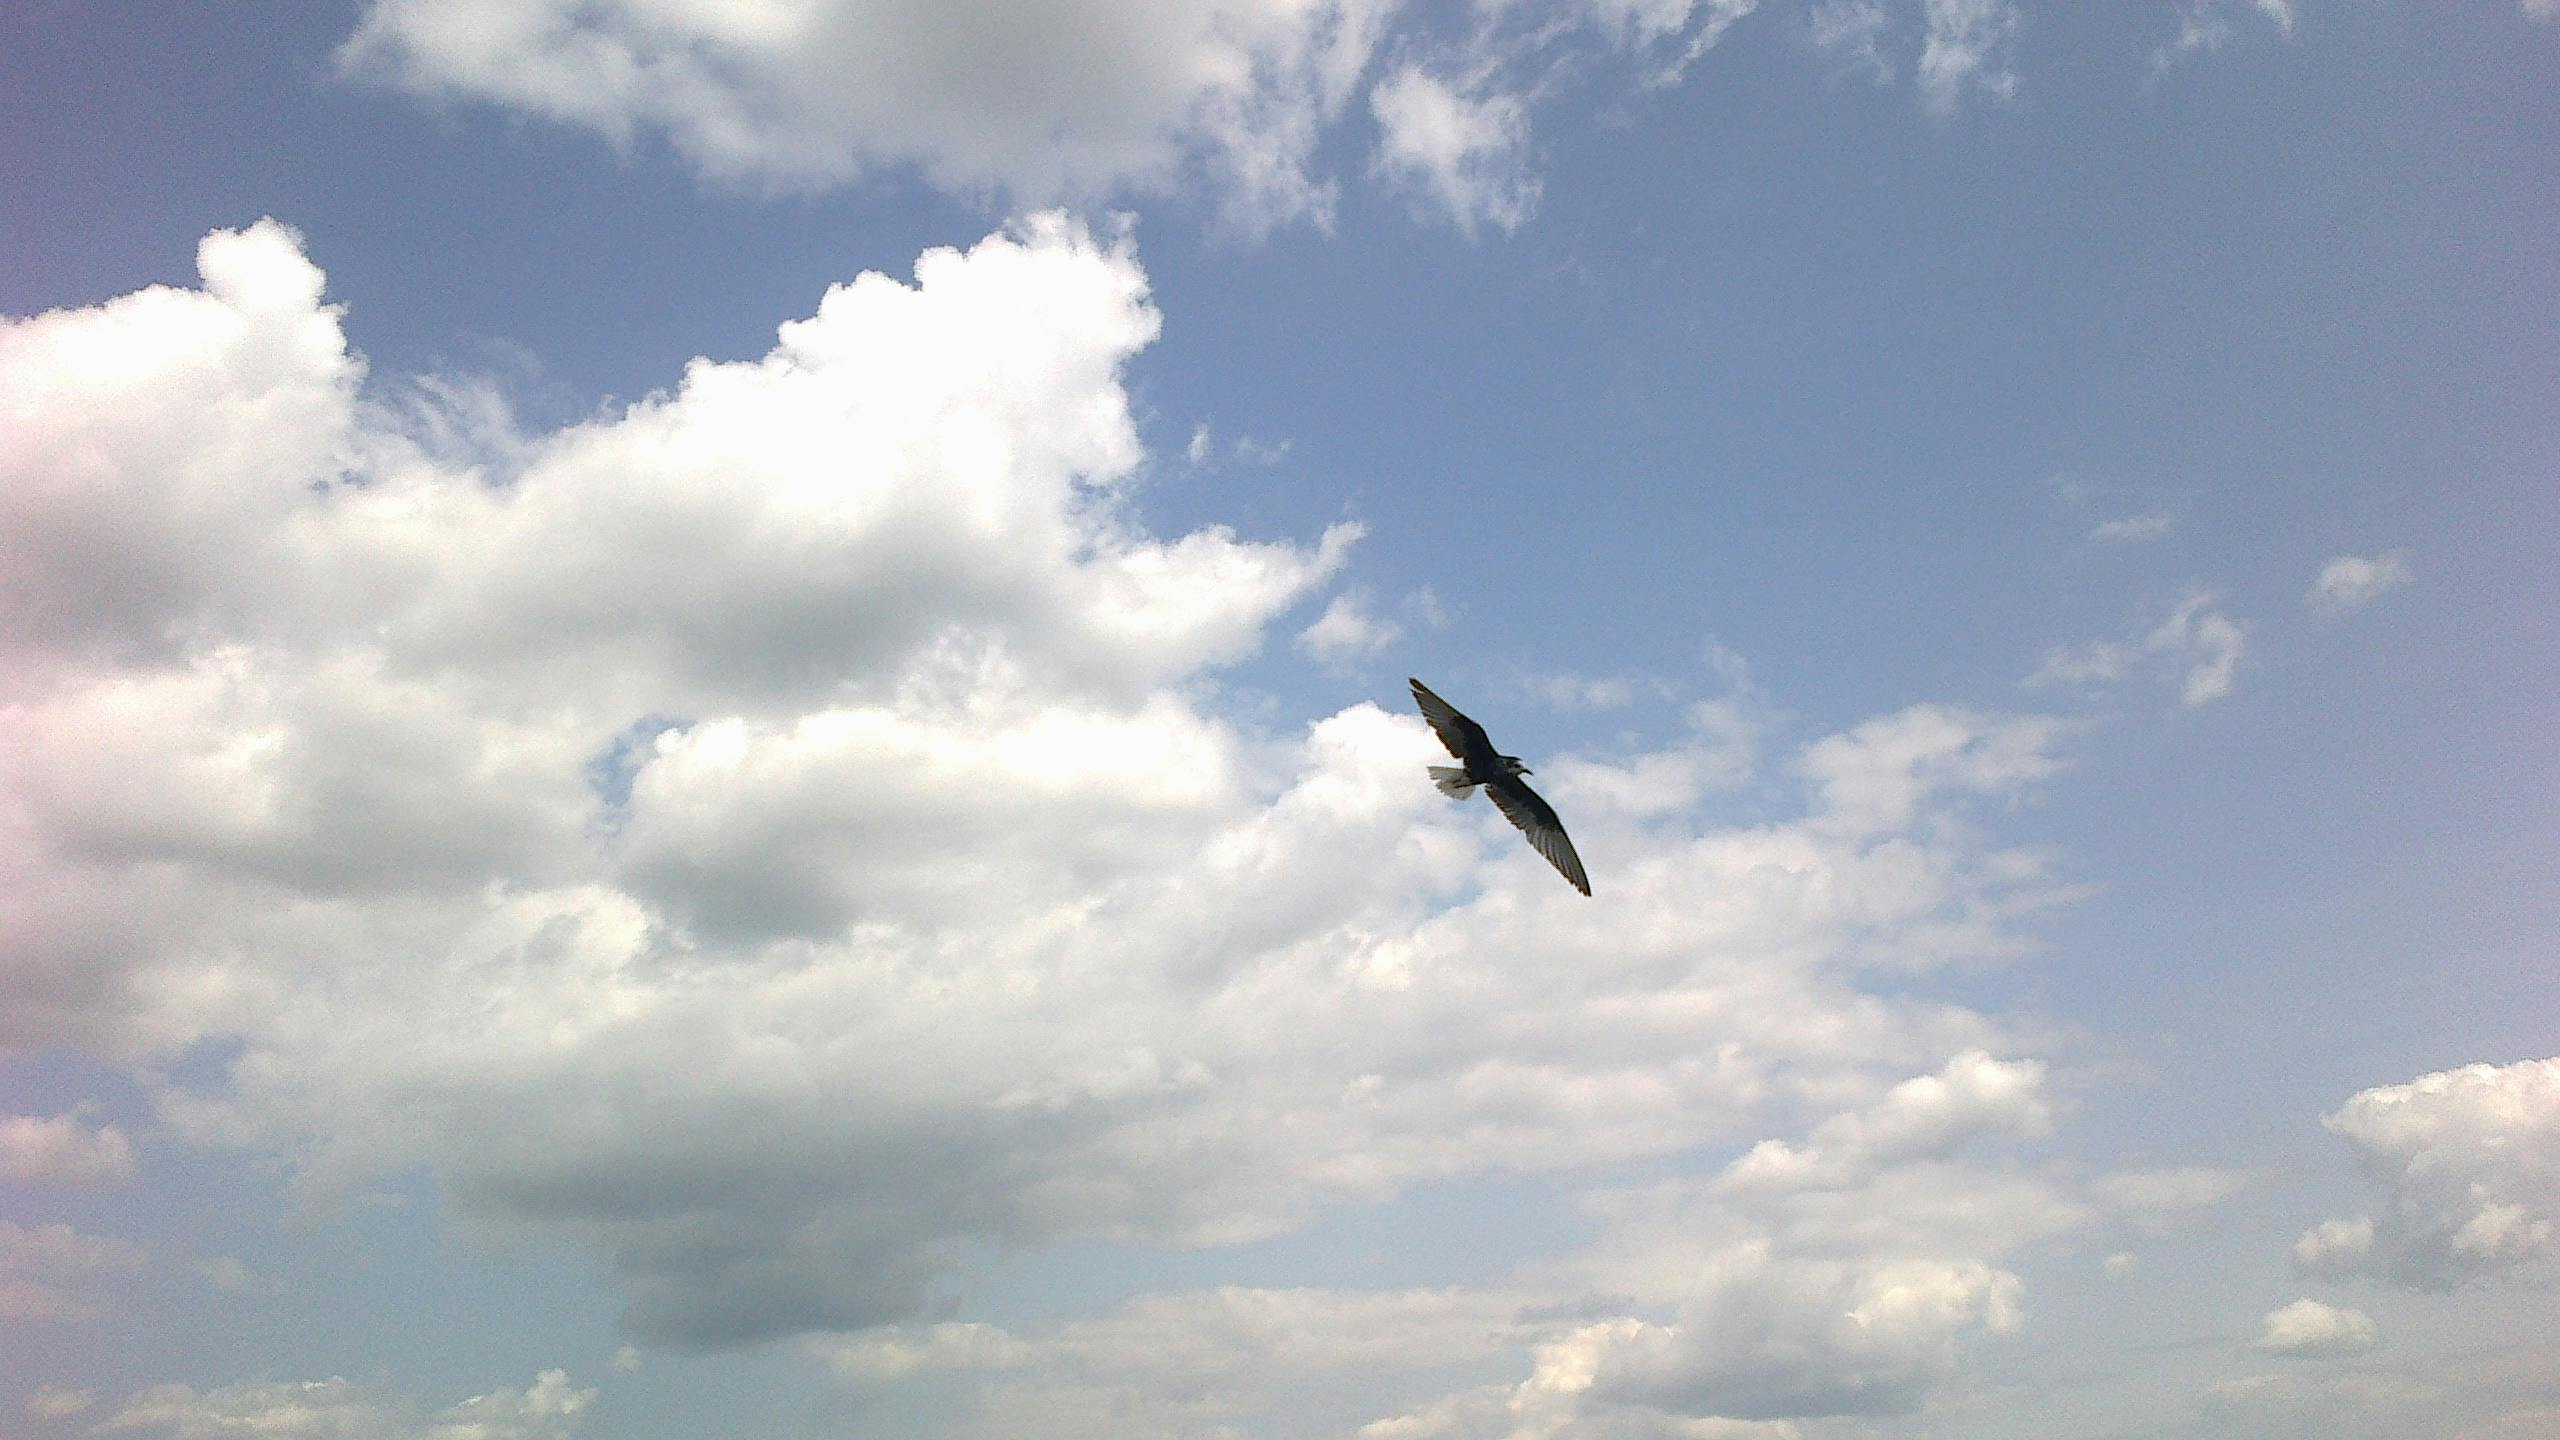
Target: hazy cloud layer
56,1273
551,1408
59,1150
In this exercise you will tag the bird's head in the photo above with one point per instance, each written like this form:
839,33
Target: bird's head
1511,765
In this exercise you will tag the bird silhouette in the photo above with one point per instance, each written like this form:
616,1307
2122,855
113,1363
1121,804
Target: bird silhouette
1499,775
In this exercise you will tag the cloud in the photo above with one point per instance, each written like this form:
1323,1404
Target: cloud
2352,582
47,1271
551,1408
2307,1329
55,1402
1046,103
2202,28
2210,643
1347,631
2541,9
1461,154
2161,1200
1199,1362
59,1150
781,835
1233,100
1855,30
1877,776
2469,1164
1840,1276
1967,49
231,1273
1928,1115
2132,528
2199,643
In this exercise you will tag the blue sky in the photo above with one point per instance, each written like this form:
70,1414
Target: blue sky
612,830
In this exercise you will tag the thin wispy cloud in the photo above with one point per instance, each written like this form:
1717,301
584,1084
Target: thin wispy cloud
2197,646
2131,529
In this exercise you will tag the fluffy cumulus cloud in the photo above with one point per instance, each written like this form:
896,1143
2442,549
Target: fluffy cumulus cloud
2306,1328
2352,582
1845,1275
784,836
551,1408
2469,1164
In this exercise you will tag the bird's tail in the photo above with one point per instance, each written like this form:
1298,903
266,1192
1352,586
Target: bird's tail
1453,782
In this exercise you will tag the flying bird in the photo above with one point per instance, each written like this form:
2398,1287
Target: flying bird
1500,777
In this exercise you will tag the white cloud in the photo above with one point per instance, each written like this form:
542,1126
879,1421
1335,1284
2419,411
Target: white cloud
2469,1162
56,1402
2208,642
1838,1277
2352,582
49,1272
1876,777
1855,30
1347,631
231,1273
1962,47
2203,29
803,784
1967,48
1204,1362
2541,9
2101,662
1044,102
1231,99
2308,1329
59,1150
2131,528
1462,153
2161,1200
2197,643
1925,1116
551,1408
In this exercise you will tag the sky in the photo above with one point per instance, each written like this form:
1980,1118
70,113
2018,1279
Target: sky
703,723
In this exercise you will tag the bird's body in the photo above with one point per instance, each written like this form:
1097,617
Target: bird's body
1480,766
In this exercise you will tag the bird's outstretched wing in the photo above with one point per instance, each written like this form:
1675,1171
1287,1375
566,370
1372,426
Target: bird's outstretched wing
1464,737
1537,820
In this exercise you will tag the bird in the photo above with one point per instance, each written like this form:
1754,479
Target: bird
1499,775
